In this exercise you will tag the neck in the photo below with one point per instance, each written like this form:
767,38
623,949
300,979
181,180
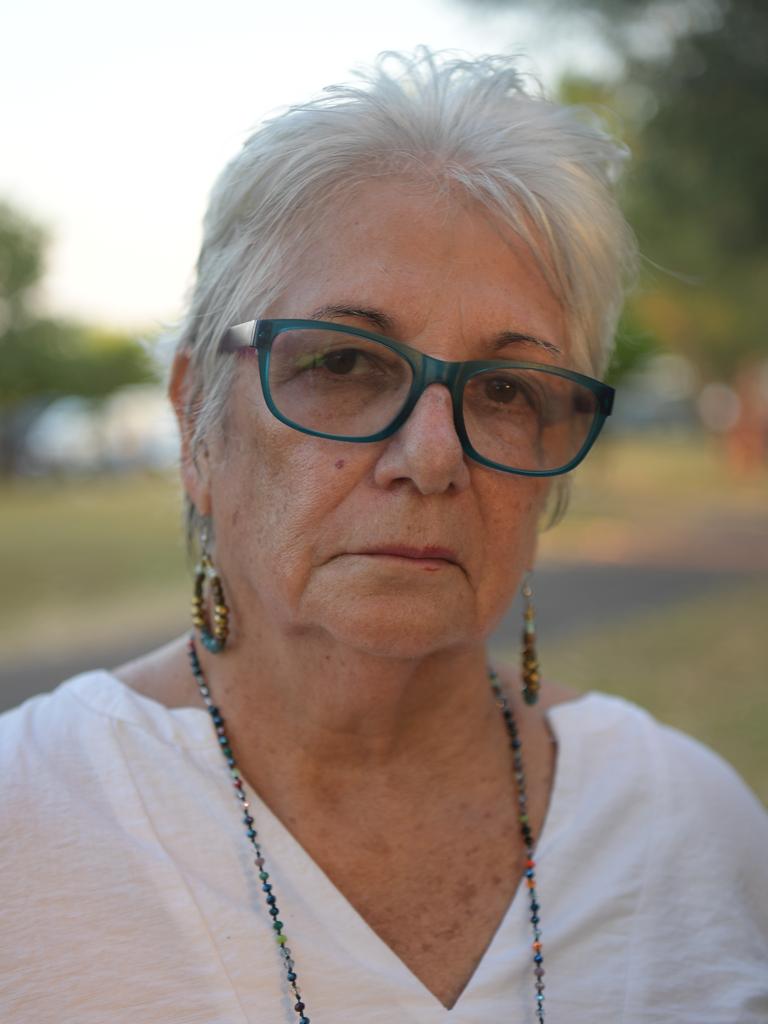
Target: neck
300,708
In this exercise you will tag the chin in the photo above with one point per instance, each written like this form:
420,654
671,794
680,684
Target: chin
400,627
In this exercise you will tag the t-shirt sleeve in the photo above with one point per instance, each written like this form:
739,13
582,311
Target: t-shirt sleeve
704,899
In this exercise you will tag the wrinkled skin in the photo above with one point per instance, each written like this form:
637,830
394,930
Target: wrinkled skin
292,512
354,682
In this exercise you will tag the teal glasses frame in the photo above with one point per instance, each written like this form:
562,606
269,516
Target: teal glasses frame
261,335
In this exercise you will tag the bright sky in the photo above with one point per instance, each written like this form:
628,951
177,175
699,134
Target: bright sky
119,116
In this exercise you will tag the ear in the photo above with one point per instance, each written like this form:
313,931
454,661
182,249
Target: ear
195,463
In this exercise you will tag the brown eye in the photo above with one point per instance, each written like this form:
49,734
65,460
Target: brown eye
341,361
502,390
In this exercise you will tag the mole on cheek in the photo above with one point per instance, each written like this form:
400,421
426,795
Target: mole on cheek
339,463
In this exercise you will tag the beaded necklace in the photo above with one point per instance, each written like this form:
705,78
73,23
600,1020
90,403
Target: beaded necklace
253,836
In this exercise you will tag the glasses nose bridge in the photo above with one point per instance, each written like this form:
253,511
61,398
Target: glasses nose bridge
439,371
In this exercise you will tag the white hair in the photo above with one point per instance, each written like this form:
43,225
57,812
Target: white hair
543,171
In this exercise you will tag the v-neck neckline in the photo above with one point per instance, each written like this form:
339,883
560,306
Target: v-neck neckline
190,728
282,850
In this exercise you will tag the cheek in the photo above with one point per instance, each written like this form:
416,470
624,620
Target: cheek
518,503
512,525
510,533
276,497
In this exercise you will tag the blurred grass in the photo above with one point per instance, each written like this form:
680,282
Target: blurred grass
90,561
82,558
688,471
636,495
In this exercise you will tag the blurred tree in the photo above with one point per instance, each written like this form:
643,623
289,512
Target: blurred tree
42,358
692,98
635,342
21,263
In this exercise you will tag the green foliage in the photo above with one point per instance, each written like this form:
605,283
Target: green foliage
47,358
21,259
634,344
691,102
698,194
622,24
42,358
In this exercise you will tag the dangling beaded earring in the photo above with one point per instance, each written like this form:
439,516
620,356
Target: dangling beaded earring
530,661
215,639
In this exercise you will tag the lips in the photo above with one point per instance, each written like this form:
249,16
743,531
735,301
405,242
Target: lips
431,552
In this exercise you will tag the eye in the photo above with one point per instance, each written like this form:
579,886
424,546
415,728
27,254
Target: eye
500,389
506,390
340,361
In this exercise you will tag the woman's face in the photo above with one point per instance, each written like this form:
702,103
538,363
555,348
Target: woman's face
308,530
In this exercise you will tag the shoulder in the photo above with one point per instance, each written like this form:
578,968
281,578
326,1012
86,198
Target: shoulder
80,735
54,757
663,848
59,745
40,721
73,763
49,735
619,753
663,785
683,767
692,775
677,837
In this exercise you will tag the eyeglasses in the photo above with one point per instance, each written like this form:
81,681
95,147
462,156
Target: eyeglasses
339,382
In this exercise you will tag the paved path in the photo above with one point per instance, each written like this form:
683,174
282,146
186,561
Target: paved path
568,597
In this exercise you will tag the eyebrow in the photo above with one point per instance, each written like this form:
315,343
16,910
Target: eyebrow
387,326
510,337
380,320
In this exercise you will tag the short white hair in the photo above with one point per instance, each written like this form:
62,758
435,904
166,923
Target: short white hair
546,172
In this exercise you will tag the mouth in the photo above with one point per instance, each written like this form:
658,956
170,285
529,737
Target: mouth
429,553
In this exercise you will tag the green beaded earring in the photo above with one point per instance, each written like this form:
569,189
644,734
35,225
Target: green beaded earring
212,639
530,670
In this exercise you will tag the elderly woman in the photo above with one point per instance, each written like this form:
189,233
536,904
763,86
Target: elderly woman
326,805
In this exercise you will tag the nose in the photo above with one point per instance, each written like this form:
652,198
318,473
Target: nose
426,450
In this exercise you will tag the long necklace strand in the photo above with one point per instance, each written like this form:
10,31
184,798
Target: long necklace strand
525,829
266,885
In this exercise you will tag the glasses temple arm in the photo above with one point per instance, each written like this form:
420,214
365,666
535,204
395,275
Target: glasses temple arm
238,337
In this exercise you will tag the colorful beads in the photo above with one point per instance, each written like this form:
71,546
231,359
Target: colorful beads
530,661
214,643
525,827
213,638
248,821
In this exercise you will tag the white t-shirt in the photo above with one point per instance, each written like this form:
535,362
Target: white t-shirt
128,891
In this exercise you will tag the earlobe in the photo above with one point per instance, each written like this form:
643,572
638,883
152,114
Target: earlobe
194,462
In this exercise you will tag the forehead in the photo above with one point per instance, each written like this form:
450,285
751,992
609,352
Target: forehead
444,273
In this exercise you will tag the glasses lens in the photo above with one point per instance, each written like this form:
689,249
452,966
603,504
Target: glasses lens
337,383
527,419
